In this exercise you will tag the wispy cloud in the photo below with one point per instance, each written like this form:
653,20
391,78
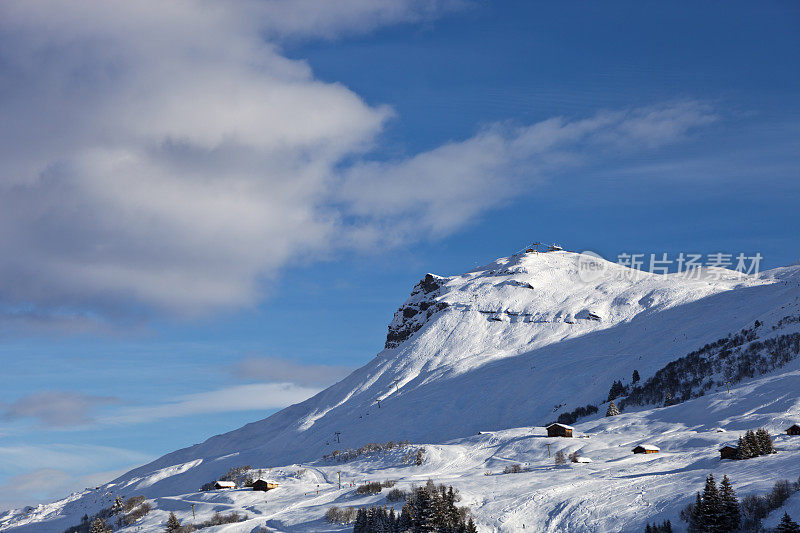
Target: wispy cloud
439,191
283,370
45,472
253,397
56,408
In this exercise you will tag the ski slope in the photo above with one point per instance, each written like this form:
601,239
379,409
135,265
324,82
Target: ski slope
502,350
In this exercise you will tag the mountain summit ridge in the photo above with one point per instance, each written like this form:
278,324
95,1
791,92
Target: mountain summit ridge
512,344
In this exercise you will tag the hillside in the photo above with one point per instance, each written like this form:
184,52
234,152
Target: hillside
507,348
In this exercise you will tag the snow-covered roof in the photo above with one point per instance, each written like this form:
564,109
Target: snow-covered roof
649,447
560,425
226,484
582,460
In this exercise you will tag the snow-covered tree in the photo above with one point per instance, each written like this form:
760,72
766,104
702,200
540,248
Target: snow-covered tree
743,450
99,526
173,524
764,441
612,409
560,459
787,525
118,505
753,443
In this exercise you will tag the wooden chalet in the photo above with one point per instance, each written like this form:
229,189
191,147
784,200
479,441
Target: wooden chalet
264,486
224,485
793,430
646,448
728,452
559,430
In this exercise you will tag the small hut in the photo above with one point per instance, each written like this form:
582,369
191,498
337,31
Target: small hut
264,486
559,430
793,430
224,485
728,452
646,448
583,460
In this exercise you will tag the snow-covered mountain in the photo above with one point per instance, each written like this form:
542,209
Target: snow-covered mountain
499,349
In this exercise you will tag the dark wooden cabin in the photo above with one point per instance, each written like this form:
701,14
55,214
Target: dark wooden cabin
793,430
728,452
559,430
646,448
264,486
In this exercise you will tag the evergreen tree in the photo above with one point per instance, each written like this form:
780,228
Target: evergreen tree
612,409
764,441
635,378
648,529
787,525
173,524
406,520
471,526
99,526
118,505
667,527
696,524
731,513
752,442
743,450
617,390
711,508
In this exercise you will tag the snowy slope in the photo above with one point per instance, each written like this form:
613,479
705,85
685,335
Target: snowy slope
508,345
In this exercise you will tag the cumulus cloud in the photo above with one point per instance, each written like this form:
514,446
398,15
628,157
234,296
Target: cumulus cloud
54,408
166,157
254,397
282,370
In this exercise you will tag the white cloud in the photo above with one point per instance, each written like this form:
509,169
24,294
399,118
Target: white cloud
282,370
69,457
46,472
255,397
167,157
56,408
438,191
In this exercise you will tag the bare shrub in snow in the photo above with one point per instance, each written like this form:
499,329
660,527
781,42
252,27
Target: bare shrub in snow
341,515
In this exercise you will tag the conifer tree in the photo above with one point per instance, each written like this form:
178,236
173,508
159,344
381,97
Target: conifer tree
118,505
764,441
787,525
743,450
173,524
696,524
752,442
635,378
99,526
731,513
711,509
471,526
612,409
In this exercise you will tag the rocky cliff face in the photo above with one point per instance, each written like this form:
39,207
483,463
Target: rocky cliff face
421,306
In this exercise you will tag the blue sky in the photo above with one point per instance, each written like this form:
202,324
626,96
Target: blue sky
200,228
